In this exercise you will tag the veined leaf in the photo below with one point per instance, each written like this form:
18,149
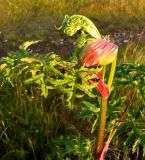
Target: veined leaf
2,66
30,60
7,72
91,107
8,60
34,78
58,82
90,70
26,44
49,87
86,89
94,125
21,70
89,110
79,95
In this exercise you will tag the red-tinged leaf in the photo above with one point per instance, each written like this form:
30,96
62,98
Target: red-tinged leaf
102,88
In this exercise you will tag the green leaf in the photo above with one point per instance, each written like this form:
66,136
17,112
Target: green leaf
26,44
58,82
2,66
94,125
34,78
89,109
86,89
8,60
44,90
91,106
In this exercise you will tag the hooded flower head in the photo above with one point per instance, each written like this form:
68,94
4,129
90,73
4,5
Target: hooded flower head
98,52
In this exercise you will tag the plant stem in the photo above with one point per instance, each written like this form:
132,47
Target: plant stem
113,131
103,112
101,128
104,70
112,72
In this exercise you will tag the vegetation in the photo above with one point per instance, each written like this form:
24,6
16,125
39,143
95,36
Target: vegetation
121,13
46,103
37,120
51,106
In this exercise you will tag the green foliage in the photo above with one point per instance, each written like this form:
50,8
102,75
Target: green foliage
47,74
70,146
129,81
37,93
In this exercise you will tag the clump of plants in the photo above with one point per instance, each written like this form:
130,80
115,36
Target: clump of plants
68,109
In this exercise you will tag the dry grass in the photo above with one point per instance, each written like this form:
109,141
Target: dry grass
132,53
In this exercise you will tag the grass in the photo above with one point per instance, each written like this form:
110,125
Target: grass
121,13
132,53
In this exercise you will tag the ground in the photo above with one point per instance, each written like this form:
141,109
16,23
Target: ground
57,42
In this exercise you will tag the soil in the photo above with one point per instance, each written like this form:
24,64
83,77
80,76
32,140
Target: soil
58,43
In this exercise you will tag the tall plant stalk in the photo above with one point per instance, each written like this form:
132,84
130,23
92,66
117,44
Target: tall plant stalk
103,113
115,128
112,72
93,51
